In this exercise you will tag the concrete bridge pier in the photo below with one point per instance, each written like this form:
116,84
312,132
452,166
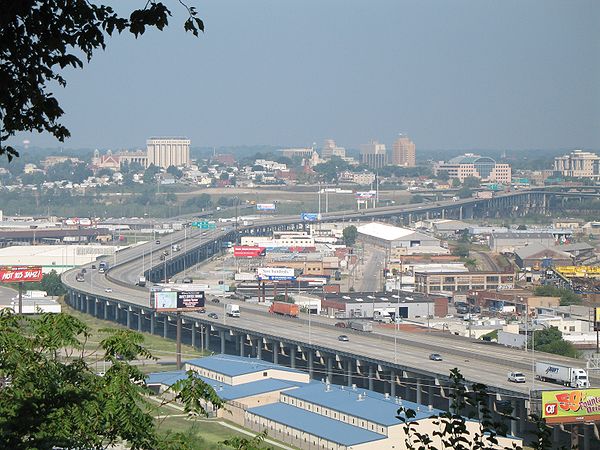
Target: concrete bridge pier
293,356
393,383
349,371
310,356
207,337
165,325
152,322
96,307
329,359
193,333
222,336
106,305
370,377
129,318
259,347
140,319
275,352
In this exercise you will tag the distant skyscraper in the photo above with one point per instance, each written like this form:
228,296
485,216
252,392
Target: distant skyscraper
165,152
373,155
330,150
403,152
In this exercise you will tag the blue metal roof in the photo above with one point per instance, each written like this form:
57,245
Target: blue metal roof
232,366
372,406
225,391
316,424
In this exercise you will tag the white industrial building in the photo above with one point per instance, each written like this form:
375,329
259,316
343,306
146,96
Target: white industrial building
54,257
390,237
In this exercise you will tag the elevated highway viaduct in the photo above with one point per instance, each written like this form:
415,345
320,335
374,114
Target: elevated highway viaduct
389,361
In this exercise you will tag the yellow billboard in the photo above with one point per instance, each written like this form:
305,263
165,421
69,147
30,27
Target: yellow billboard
571,405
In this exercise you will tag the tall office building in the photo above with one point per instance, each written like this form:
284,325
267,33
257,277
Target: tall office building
578,164
330,149
165,152
403,152
373,155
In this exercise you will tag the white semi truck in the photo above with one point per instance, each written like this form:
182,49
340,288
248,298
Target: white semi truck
561,374
233,310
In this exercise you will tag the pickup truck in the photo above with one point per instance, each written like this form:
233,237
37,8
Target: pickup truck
516,377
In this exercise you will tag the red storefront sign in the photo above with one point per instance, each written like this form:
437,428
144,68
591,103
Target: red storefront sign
246,251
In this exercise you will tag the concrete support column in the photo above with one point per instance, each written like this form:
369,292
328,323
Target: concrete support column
460,213
128,318
513,421
242,342
165,325
430,394
370,377
96,307
105,310
140,320
293,356
349,372
418,387
555,436
207,338
330,368
88,308
310,362
193,334
393,383
275,352
152,322
587,436
222,334
259,344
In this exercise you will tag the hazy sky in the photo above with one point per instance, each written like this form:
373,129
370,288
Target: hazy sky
459,74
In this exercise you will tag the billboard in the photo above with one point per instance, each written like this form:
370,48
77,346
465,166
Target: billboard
365,195
309,217
18,274
177,300
571,405
275,273
265,206
247,251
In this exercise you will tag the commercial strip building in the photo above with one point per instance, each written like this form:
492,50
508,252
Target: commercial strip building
578,164
389,237
300,412
470,165
407,305
450,282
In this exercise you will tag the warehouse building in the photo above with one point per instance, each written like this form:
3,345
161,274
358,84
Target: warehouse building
390,237
407,305
449,282
538,256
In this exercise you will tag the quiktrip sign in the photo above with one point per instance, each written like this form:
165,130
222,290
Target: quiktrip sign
20,274
571,406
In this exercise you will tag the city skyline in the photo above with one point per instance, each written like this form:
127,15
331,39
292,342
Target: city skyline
450,77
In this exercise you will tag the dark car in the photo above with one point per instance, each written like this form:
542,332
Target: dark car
216,300
435,357
83,270
213,315
340,324
343,338
93,266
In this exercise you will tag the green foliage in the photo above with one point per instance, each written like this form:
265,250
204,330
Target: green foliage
471,182
550,340
349,234
462,250
254,443
177,173
455,182
150,174
201,202
567,297
331,169
54,399
416,198
464,193
50,283
40,38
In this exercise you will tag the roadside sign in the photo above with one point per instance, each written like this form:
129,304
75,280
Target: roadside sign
246,251
571,405
204,225
177,300
265,207
309,217
275,273
18,274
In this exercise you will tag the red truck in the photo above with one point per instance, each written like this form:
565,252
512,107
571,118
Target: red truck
284,309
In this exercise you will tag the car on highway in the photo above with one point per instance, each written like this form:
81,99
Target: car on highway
435,357
216,300
340,324
157,242
83,270
516,377
93,266
343,338
213,315
162,257
108,290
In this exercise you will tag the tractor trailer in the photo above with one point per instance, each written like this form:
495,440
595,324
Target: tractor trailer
561,374
284,309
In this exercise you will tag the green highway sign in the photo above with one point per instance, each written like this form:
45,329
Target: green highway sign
204,225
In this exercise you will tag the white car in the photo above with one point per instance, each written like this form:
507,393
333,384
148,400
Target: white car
516,377
108,290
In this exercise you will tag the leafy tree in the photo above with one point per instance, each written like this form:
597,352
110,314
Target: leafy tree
52,285
177,173
35,178
464,193
462,250
201,201
471,182
150,174
55,400
331,169
455,182
550,340
242,443
567,297
40,38
224,176
416,198
349,234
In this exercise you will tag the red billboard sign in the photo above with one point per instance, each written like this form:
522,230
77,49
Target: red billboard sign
17,274
246,251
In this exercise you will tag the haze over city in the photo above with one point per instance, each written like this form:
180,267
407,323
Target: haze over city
453,75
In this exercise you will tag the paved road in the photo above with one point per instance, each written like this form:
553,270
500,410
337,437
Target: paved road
479,363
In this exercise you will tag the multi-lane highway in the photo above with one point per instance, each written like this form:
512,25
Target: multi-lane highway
485,363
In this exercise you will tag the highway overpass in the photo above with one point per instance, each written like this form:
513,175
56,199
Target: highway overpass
388,361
